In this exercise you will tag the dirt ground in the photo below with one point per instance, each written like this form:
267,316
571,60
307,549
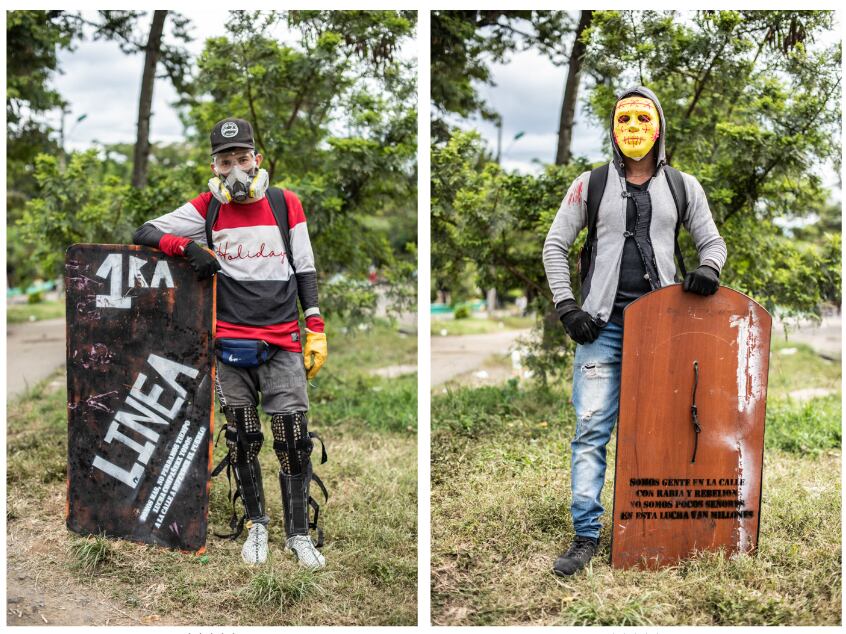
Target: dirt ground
456,356
40,591
28,603
34,350
40,587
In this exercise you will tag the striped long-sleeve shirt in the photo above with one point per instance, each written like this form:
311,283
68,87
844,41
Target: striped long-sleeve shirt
257,289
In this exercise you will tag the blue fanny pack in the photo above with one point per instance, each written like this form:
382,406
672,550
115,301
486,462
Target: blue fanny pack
244,353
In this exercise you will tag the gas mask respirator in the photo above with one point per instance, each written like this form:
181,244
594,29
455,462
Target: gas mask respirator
237,183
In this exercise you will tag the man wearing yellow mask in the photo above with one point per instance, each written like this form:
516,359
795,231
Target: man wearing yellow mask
633,208
256,240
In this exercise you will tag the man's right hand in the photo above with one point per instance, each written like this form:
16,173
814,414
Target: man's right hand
580,326
202,260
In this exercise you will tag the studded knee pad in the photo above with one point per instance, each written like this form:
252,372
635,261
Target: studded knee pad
291,441
243,430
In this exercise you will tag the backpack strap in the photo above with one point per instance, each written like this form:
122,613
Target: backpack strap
676,182
211,216
279,207
596,188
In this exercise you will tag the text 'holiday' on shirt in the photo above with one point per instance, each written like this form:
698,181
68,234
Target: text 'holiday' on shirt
257,288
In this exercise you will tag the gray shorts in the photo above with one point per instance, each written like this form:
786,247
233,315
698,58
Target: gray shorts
281,381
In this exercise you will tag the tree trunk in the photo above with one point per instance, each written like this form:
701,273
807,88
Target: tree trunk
145,103
571,92
490,301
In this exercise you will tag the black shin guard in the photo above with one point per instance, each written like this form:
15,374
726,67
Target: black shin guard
295,503
293,445
244,437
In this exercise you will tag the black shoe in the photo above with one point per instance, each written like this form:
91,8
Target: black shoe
576,557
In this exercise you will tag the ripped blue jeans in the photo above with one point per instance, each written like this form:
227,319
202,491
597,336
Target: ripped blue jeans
596,397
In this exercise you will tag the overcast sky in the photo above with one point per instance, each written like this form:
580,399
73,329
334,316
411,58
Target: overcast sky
104,83
527,93
100,81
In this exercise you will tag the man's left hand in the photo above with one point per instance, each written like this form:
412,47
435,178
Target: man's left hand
315,352
703,281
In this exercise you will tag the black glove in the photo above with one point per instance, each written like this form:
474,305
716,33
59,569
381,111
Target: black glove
578,324
201,260
703,281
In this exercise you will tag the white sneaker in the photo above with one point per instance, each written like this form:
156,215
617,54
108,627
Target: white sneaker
255,548
305,552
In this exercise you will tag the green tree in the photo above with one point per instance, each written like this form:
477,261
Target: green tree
752,108
491,223
334,113
334,117
465,43
753,111
46,226
33,40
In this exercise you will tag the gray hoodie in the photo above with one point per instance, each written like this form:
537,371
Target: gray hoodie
600,285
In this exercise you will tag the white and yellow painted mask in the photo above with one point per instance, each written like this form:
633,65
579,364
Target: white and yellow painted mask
636,126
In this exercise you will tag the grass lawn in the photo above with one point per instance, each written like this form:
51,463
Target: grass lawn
19,313
478,326
370,521
500,515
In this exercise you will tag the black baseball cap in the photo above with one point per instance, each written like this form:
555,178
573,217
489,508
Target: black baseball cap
231,133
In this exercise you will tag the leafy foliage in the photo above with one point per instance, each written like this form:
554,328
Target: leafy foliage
489,224
464,43
98,206
333,107
33,39
89,199
752,109
344,75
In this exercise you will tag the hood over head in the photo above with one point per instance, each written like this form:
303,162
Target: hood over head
641,91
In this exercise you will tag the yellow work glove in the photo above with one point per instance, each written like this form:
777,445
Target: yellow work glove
315,352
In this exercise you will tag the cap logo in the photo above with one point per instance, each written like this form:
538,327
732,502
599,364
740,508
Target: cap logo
228,130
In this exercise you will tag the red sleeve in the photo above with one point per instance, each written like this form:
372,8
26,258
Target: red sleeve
201,203
315,323
296,215
173,245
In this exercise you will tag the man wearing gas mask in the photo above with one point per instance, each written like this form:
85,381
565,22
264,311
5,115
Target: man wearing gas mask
633,208
255,238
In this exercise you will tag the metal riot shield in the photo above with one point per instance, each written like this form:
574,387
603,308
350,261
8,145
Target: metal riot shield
690,437
140,398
